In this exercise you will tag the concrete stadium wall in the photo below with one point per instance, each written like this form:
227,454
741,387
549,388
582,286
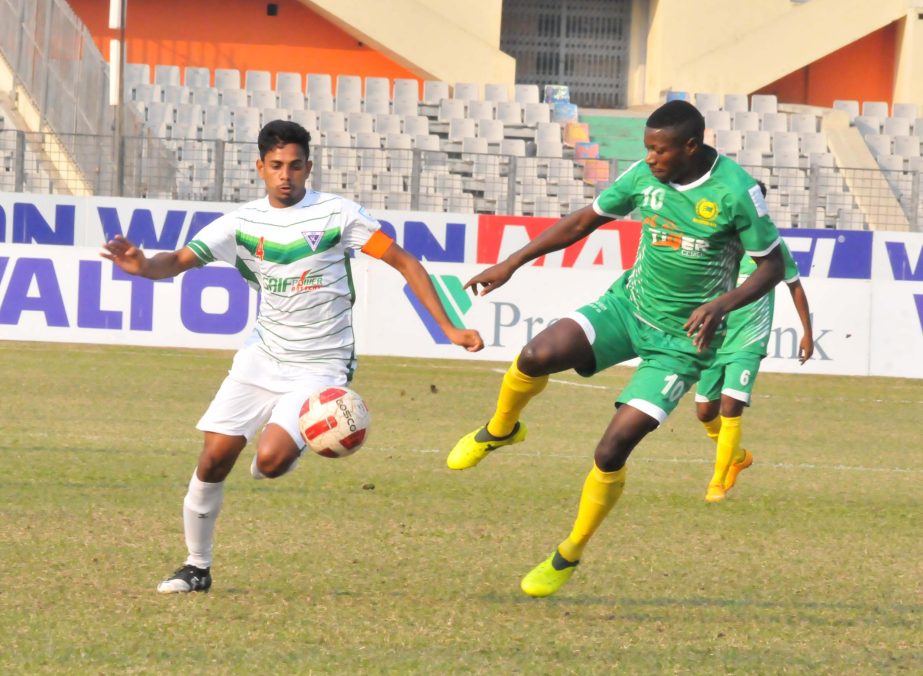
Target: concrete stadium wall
238,34
865,289
424,39
731,46
450,41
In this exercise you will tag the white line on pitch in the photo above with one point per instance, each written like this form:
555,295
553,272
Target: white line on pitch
697,461
564,382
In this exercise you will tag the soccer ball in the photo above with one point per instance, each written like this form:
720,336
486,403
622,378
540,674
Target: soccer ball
334,422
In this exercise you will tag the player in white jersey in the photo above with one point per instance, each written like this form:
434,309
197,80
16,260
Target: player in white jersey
294,246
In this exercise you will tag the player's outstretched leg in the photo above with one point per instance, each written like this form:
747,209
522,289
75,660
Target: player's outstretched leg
728,448
474,446
601,490
504,428
548,576
201,507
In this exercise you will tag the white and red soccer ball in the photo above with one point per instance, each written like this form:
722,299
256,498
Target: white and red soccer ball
334,422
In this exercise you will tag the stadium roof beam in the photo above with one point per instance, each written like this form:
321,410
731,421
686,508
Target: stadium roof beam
754,43
449,41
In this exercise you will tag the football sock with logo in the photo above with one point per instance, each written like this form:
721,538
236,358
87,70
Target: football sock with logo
200,511
728,450
516,391
601,491
712,428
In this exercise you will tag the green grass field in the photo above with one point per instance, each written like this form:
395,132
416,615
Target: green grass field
387,562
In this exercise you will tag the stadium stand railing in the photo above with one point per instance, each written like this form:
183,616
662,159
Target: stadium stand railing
489,148
60,89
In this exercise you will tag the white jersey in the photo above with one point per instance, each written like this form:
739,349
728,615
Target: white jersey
298,259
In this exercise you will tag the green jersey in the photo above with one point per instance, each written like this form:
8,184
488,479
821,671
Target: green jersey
748,327
692,237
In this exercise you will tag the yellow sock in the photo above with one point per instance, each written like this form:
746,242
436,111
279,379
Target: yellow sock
712,427
729,449
601,491
515,392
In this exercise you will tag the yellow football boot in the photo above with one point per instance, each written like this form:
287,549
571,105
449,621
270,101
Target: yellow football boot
474,447
548,576
735,469
715,493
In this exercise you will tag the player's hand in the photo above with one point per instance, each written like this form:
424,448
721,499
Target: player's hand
124,254
805,348
467,338
703,322
492,278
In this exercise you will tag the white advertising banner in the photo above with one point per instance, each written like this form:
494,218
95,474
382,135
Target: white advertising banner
865,289
71,294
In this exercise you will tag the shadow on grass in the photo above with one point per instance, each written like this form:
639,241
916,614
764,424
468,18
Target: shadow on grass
863,612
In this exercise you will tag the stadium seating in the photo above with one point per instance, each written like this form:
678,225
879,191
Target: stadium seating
372,134
365,132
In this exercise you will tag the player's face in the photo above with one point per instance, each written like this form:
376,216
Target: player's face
284,170
668,157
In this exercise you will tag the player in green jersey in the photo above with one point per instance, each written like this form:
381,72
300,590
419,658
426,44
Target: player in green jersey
725,387
700,212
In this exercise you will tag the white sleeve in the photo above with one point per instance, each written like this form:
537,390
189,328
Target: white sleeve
358,225
216,241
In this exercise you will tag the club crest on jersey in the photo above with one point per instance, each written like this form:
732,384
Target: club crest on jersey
260,252
312,237
706,212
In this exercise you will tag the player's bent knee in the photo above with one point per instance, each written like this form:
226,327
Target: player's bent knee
274,465
612,452
705,412
213,468
534,359
610,460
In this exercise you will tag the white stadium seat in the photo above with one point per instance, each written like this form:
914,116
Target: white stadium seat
227,78
258,81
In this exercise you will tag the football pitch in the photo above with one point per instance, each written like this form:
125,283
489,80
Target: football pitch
387,562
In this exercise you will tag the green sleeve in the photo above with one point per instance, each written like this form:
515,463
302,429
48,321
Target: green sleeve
619,198
791,267
757,232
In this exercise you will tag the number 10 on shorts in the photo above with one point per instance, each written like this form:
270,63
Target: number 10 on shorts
674,389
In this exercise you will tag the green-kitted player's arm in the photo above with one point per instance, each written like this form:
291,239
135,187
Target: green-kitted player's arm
705,319
800,299
616,200
572,228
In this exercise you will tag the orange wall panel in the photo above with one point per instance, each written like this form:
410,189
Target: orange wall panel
236,34
863,70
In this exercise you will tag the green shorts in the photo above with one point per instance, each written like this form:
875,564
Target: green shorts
669,367
732,375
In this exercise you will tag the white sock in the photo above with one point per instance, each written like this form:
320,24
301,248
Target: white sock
255,471
200,511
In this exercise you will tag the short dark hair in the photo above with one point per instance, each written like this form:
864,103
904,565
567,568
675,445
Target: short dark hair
279,133
681,116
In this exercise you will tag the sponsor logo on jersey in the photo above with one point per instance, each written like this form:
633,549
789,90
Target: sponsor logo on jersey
706,212
454,299
312,237
305,282
671,238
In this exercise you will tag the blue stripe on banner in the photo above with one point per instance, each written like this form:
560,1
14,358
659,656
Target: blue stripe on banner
427,319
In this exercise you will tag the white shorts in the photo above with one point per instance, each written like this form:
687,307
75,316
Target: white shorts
242,408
